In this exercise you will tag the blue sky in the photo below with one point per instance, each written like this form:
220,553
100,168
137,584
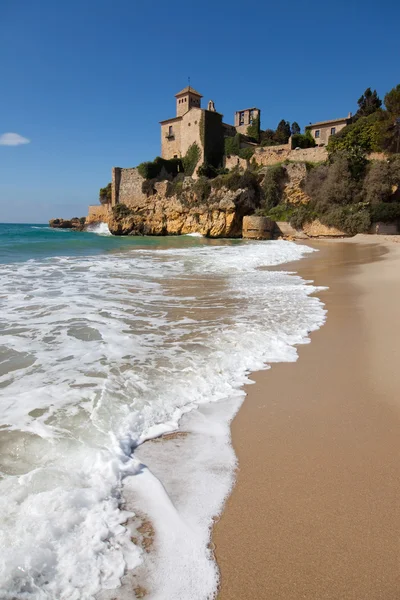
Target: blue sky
87,81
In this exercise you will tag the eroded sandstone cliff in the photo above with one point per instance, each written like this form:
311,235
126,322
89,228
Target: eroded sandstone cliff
218,215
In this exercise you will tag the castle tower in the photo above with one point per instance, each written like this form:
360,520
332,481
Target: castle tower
187,99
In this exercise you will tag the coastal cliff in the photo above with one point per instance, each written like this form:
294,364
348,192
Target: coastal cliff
343,197
218,215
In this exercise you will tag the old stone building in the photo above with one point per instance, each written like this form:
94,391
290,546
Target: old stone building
323,130
245,118
203,126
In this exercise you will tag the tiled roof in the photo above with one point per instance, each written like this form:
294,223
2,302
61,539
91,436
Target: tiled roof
326,122
186,90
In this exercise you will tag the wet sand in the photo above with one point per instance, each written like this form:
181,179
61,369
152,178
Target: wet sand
315,513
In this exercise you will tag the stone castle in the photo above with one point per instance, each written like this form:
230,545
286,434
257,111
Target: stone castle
154,211
202,126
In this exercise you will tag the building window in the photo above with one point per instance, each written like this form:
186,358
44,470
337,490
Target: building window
333,130
241,118
251,116
170,131
189,124
317,133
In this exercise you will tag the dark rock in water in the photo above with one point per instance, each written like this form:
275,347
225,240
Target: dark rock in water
75,223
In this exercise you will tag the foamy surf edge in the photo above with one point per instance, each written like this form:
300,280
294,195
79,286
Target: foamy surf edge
185,480
69,518
99,229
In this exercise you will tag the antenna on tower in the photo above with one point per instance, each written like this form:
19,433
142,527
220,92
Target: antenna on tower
189,81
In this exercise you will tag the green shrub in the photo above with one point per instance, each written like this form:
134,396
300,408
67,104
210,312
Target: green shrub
303,141
272,186
377,185
234,180
281,212
191,159
121,210
202,188
385,211
153,169
175,187
105,194
232,145
300,215
253,131
207,170
363,133
148,186
332,184
350,219
246,153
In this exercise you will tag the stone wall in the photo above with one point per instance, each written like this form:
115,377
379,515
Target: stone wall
255,112
171,144
126,186
271,155
231,162
257,228
98,213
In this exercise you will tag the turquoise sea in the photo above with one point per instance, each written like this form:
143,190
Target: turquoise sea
20,242
109,342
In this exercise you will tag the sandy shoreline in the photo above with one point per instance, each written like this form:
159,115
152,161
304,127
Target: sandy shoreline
315,513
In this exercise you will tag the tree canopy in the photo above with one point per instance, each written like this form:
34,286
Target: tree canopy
368,103
295,128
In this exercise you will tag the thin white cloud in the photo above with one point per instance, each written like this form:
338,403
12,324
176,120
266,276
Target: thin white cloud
13,139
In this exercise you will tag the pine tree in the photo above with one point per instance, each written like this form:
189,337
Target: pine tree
282,133
368,103
392,101
295,128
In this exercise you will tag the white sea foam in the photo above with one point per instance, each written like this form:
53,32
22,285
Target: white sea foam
98,354
195,234
99,228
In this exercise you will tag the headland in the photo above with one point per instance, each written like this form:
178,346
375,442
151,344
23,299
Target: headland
338,178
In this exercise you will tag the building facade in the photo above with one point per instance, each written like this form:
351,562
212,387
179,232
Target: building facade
322,131
245,118
203,126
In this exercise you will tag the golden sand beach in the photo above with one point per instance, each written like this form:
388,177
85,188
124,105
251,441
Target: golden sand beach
315,513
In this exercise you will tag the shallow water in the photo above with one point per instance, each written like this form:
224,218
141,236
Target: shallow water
107,342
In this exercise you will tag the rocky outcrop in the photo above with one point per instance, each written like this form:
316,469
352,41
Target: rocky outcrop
257,228
317,229
75,223
218,215
293,192
98,213
314,229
